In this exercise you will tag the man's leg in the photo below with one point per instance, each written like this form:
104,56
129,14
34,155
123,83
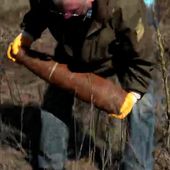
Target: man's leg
53,142
139,147
55,120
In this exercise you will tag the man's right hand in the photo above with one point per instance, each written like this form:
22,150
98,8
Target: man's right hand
20,41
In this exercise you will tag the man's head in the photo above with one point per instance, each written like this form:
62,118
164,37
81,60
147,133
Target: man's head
74,7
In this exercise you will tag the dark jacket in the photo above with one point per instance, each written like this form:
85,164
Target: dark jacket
115,41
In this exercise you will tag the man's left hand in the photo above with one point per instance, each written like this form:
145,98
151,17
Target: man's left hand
126,107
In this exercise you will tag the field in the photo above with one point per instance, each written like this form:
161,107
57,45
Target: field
21,93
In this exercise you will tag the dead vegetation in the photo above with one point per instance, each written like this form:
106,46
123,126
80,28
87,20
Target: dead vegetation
29,90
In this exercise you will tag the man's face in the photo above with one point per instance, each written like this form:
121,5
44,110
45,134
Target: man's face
75,7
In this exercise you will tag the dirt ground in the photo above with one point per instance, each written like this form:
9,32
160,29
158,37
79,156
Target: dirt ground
29,92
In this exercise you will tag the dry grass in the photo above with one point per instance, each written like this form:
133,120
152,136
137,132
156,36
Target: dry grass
11,159
17,77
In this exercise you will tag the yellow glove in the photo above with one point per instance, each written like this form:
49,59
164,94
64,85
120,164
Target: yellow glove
126,107
14,47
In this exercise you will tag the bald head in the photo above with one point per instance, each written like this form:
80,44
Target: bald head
69,7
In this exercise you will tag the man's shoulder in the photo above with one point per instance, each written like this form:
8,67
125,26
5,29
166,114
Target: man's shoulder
130,7
132,11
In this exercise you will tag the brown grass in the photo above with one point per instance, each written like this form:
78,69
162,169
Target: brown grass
18,76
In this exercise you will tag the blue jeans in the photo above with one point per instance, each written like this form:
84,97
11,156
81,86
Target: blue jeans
138,149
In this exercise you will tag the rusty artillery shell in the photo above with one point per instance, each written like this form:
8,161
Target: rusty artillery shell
87,86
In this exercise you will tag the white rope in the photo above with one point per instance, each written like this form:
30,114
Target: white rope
52,70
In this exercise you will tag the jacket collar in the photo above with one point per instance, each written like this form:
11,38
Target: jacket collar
102,12
94,28
98,17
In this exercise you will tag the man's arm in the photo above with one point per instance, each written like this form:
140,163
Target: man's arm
33,24
134,50
133,54
35,21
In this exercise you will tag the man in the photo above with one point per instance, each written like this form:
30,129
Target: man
109,38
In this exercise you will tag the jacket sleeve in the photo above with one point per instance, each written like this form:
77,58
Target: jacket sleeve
133,50
34,21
